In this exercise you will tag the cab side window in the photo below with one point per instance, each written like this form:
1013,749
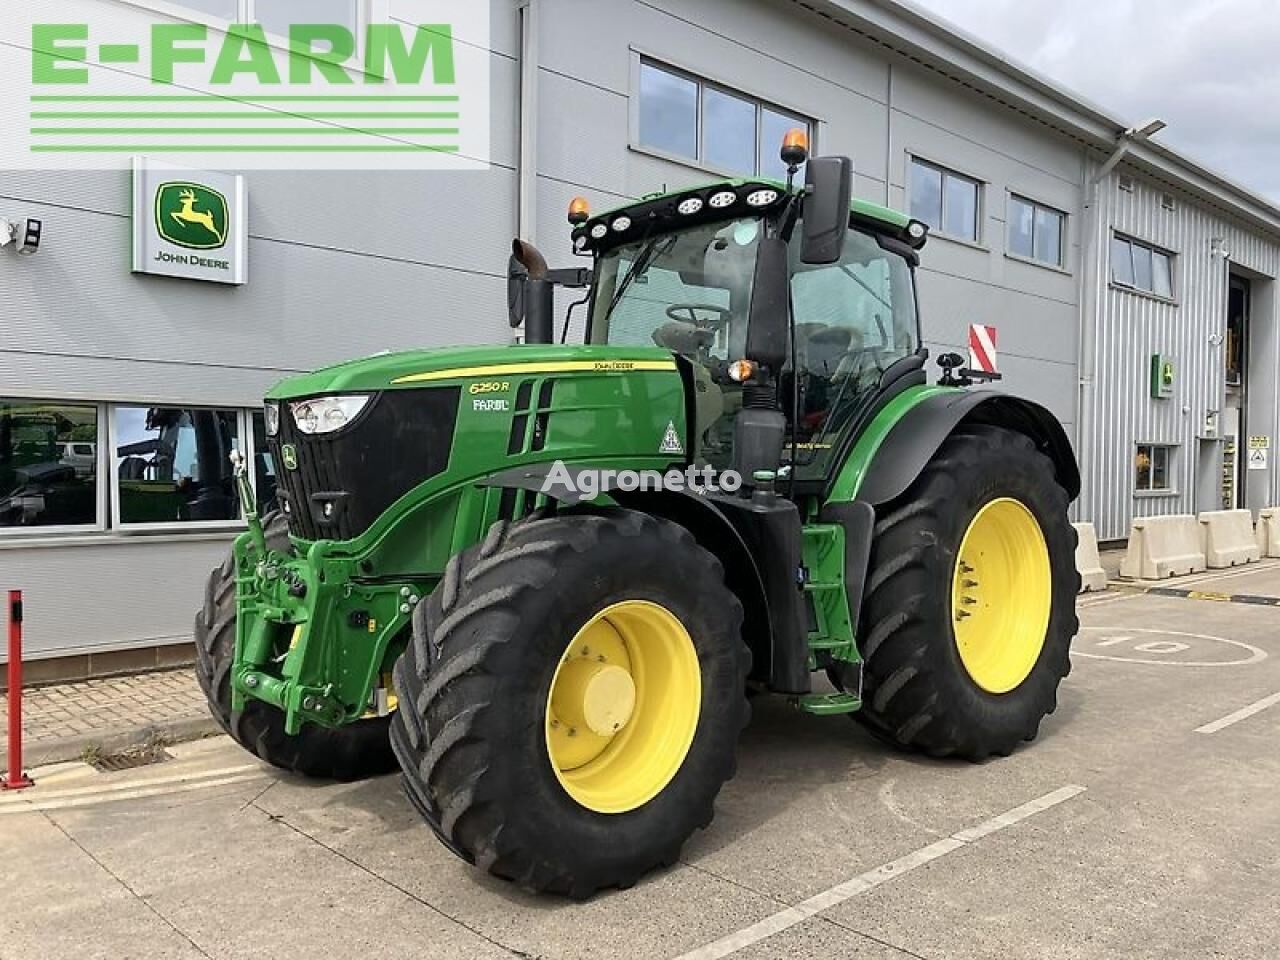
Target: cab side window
854,319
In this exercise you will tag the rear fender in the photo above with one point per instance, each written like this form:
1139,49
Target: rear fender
923,429
909,445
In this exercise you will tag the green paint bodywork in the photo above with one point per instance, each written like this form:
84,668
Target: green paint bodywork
318,629
380,372
319,656
824,544
853,471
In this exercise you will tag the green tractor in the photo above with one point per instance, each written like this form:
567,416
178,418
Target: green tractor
544,579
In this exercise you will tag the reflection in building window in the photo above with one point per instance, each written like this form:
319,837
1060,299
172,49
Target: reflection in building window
48,464
1151,466
1141,267
173,465
226,9
947,201
1036,231
688,117
264,467
277,16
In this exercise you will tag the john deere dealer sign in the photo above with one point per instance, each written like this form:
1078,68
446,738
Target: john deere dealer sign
189,223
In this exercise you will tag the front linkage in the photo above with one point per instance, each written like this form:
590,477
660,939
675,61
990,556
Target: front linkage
279,659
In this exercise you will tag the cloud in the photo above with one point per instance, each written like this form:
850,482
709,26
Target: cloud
1208,67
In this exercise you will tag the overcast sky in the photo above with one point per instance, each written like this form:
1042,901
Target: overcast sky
1210,68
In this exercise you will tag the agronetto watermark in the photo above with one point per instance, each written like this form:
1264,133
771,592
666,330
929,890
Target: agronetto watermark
577,483
401,84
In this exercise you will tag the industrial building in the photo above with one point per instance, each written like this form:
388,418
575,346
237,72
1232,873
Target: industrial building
1133,290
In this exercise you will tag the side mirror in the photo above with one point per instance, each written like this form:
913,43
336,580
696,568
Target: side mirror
769,327
829,191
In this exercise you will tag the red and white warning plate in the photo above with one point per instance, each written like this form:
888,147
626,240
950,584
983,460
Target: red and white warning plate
982,349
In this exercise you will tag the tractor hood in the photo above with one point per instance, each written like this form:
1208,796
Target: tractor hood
452,365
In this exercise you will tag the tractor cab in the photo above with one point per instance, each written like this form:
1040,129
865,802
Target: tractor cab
797,301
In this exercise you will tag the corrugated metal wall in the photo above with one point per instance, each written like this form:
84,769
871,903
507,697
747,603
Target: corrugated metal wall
1131,327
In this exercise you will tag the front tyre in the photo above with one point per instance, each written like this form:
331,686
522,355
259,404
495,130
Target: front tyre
572,699
969,611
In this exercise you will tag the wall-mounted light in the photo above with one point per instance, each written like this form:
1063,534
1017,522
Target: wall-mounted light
1220,248
1146,131
24,235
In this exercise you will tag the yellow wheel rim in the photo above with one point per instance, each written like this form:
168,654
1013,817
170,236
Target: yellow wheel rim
1001,594
623,706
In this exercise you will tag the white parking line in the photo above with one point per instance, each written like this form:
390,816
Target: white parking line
785,919
114,786
1243,713
35,804
1088,600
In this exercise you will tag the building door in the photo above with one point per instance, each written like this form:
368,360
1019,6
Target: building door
1235,428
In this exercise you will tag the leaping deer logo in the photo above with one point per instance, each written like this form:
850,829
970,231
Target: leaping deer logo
190,215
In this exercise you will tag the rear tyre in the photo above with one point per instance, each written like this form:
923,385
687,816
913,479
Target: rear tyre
572,700
969,611
348,753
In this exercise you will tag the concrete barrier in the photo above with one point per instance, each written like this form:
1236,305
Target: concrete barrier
1161,547
1229,539
1268,532
1088,561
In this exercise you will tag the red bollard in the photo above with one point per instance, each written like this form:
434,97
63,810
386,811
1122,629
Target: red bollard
17,779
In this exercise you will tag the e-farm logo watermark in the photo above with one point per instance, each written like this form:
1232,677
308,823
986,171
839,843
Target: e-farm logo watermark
410,91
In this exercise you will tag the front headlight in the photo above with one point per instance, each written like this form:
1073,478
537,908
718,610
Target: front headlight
271,416
326,414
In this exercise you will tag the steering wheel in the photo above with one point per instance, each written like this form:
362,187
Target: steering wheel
691,311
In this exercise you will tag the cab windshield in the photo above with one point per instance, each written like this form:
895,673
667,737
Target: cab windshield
690,292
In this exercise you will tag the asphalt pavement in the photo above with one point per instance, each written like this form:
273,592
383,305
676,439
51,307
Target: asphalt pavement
1144,823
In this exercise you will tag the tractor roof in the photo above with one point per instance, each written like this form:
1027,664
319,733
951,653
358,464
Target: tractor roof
698,204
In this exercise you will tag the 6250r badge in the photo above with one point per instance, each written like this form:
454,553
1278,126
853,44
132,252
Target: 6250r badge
492,404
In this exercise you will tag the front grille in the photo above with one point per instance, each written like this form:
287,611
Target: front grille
401,439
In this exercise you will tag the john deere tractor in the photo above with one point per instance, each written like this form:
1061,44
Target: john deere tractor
476,576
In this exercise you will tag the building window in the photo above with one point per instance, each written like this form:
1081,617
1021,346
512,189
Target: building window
172,465
685,116
1036,232
1151,468
1138,266
48,464
226,9
947,201
276,16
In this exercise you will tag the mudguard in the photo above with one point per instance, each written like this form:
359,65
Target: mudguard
921,431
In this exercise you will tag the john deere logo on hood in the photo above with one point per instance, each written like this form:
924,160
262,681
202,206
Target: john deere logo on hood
290,456
189,215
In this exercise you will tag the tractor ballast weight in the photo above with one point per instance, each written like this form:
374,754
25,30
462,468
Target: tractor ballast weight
539,642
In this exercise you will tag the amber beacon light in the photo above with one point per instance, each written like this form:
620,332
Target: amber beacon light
795,147
579,211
